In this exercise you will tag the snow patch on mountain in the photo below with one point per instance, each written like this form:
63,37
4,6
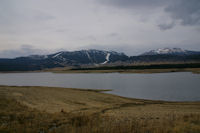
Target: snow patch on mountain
168,50
165,51
88,55
57,55
107,58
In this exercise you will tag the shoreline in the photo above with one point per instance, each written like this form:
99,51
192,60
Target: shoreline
102,92
97,91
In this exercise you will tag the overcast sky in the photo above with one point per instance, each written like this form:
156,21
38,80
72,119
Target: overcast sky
129,26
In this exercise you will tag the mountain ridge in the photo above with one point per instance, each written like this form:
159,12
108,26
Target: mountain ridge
95,57
171,51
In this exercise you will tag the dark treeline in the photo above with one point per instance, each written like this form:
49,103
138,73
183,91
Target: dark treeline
25,64
155,66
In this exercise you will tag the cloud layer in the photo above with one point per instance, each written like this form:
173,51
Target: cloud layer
24,50
187,12
132,25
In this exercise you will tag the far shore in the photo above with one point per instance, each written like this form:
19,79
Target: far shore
168,67
142,71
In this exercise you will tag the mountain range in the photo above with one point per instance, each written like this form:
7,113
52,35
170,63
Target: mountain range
95,58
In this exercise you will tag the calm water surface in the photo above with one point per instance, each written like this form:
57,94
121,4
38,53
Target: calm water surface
182,86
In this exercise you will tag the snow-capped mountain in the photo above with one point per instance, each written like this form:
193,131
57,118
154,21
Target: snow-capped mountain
95,58
62,59
87,57
170,51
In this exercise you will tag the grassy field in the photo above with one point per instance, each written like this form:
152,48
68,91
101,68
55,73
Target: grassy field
60,110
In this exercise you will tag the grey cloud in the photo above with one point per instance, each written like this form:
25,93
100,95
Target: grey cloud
61,30
50,24
131,50
134,3
187,11
118,48
125,48
24,50
165,26
43,16
113,35
14,12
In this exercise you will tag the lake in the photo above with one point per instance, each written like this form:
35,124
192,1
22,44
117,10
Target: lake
178,86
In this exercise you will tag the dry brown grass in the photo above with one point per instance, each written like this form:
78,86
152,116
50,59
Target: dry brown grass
60,110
